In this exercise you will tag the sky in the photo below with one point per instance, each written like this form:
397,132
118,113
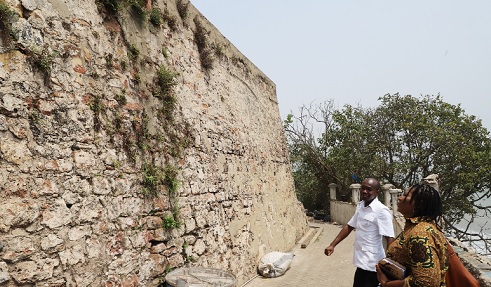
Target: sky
353,52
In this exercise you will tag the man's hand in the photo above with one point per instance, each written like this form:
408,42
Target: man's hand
329,250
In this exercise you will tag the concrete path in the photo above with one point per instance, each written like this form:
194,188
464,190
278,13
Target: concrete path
311,268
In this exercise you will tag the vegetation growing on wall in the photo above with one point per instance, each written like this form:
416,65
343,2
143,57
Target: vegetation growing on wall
182,8
141,146
42,59
170,19
201,39
133,52
96,106
156,16
139,10
164,91
155,180
6,31
110,7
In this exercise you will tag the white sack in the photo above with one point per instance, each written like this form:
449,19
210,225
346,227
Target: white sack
275,264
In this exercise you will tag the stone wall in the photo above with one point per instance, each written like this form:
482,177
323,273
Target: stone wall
132,143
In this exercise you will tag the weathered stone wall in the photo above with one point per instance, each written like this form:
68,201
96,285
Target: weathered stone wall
105,181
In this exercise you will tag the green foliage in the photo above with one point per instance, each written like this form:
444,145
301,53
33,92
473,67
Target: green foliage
170,179
156,17
171,20
218,49
310,191
155,177
121,99
139,9
111,6
170,223
136,78
118,121
109,60
96,106
116,164
168,269
182,8
133,52
166,82
201,39
123,64
165,91
7,16
401,141
42,58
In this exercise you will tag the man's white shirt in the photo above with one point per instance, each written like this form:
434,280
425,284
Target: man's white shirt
371,224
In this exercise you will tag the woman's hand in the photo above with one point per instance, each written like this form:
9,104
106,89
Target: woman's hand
382,278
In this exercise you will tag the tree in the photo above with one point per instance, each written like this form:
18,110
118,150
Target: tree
401,141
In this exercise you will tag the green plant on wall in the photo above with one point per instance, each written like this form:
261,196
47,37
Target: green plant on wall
111,6
201,39
154,180
133,52
139,8
219,50
121,98
136,78
169,222
156,16
182,8
96,106
166,82
109,60
170,179
164,90
7,17
153,177
171,20
42,59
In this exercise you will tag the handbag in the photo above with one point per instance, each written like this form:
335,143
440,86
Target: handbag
457,275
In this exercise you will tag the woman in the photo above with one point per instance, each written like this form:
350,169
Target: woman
421,247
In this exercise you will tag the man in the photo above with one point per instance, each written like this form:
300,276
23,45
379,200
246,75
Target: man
372,221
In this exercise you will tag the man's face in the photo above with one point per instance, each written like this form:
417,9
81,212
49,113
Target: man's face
368,190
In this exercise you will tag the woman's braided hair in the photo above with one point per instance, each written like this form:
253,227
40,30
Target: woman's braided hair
427,202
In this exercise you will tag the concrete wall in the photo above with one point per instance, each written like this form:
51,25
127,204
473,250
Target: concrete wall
341,212
85,142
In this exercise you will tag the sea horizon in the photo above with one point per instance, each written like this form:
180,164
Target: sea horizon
480,225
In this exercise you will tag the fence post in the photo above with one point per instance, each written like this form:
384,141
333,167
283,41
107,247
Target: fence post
355,192
394,194
386,189
332,191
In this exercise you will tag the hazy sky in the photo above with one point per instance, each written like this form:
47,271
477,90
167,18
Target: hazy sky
356,51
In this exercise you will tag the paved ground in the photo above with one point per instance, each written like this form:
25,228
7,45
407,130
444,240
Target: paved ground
311,268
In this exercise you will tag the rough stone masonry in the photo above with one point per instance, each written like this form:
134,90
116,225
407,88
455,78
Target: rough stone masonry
134,139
